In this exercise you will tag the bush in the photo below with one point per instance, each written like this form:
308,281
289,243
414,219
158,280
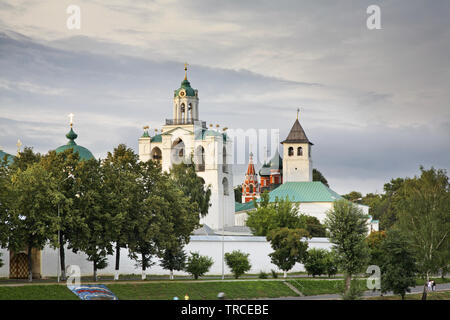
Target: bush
274,274
316,262
263,275
238,262
331,264
198,265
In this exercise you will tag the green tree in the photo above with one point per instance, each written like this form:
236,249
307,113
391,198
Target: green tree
313,226
347,225
238,262
32,220
173,259
424,217
289,247
121,189
316,262
198,265
375,243
331,263
238,193
398,267
353,196
318,176
95,233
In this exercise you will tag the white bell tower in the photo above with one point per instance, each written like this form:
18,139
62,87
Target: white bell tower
185,103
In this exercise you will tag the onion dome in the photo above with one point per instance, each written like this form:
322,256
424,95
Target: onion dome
185,89
84,153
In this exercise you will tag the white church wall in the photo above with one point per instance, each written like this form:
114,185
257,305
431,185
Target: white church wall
258,248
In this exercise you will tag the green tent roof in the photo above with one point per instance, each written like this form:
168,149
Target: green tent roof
314,191
9,158
243,206
84,153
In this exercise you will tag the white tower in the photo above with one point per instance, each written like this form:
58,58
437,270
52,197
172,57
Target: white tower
184,136
297,162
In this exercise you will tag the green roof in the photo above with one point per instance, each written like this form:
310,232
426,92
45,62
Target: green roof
187,87
9,158
314,191
156,138
84,153
243,206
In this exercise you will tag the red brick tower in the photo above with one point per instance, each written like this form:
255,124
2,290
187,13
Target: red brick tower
250,187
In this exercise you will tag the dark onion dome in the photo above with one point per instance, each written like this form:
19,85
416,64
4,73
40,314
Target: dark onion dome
9,158
297,135
276,163
84,153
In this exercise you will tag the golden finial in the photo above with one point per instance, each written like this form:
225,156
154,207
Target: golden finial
210,125
298,111
71,119
146,127
19,144
185,70
156,130
225,129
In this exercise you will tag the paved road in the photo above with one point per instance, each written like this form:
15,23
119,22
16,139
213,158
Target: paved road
417,289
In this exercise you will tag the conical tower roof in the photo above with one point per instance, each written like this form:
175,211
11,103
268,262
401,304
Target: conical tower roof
297,134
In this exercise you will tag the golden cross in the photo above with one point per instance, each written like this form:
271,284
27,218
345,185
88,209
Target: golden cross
19,144
185,70
71,115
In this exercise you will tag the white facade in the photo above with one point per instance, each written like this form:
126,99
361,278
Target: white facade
298,165
257,247
183,137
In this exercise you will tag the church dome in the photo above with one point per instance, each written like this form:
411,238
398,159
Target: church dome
185,89
84,153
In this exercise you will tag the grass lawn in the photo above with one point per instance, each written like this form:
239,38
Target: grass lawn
158,290
37,292
442,295
311,287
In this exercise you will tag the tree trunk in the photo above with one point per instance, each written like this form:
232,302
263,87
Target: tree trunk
424,294
171,274
62,257
30,265
285,274
95,271
144,264
348,282
116,276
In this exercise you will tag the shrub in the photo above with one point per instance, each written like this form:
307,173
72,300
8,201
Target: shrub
316,262
198,265
238,262
274,274
263,275
331,264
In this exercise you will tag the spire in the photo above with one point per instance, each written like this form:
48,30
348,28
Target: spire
251,166
185,70
297,134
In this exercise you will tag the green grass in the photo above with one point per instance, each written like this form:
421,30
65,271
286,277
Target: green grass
311,287
158,290
36,292
442,295
201,290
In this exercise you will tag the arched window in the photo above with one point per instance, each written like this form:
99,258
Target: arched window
225,186
200,159
251,189
290,151
156,154
299,151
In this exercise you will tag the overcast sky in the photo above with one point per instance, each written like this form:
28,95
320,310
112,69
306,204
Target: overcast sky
375,103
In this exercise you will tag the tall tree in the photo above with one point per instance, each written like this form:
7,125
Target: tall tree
30,210
95,233
347,225
375,243
173,259
398,266
62,167
121,190
318,176
289,247
424,217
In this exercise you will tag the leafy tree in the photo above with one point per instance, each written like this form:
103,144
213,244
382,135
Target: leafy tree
289,247
62,167
347,225
424,217
173,259
318,176
95,233
31,217
24,159
313,226
353,196
331,263
121,189
375,242
316,262
198,265
398,265
238,262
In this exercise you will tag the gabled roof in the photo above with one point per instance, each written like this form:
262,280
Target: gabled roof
314,191
297,134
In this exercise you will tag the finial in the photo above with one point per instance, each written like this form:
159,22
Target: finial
19,144
298,111
71,115
185,70
146,127
210,125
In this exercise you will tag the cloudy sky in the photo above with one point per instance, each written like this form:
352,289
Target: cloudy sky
375,103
